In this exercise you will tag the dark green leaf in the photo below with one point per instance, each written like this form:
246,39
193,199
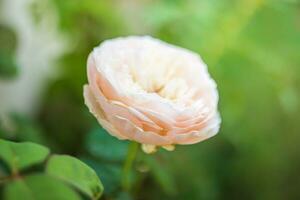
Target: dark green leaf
109,173
8,39
8,66
3,171
21,155
103,145
76,173
27,130
161,175
124,196
39,187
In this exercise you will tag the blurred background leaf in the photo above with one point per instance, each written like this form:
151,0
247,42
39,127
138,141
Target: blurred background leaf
99,144
4,171
20,128
163,177
8,41
109,173
107,161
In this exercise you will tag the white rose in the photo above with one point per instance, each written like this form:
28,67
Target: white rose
151,92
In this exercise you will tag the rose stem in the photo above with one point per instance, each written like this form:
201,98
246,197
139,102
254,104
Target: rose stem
131,155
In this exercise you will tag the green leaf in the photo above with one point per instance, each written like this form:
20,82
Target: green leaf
8,41
39,187
8,66
161,175
109,174
123,196
103,145
76,173
21,155
3,171
27,130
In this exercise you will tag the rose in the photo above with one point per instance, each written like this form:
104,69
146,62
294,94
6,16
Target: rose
148,91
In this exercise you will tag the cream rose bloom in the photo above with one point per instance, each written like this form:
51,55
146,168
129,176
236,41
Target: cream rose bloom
151,92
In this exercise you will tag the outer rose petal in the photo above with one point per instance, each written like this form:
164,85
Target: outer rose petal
92,104
114,107
137,134
197,136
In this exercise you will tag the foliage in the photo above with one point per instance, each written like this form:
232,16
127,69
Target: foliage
106,160
24,177
252,51
76,173
38,186
8,66
20,156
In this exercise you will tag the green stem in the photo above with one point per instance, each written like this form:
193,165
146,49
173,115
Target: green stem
131,155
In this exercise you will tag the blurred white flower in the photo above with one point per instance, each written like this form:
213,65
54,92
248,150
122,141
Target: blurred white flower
39,46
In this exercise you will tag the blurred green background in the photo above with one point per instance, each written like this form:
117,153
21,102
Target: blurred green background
252,48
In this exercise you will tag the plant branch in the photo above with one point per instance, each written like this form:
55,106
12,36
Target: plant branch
131,155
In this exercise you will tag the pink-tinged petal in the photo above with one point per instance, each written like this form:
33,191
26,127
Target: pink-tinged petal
97,84
170,125
135,133
196,126
94,75
111,109
94,108
197,136
144,120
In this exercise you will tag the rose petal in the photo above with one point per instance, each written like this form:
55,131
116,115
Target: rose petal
92,104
